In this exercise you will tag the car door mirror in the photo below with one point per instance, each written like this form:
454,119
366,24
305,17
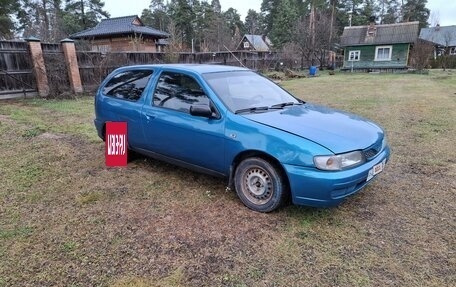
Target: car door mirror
201,111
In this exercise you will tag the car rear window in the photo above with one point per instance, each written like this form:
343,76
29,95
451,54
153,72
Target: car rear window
128,85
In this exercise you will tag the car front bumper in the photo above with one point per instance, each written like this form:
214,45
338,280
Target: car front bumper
318,188
99,126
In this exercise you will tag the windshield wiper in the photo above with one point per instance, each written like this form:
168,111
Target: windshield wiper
250,110
282,105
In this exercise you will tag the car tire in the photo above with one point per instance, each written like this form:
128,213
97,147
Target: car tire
260,185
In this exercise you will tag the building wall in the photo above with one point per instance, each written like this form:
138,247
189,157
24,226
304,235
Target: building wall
399,57
123,44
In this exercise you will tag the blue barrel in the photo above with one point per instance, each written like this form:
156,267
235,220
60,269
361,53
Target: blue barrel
312,70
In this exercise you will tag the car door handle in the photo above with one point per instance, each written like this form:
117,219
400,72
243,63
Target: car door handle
150,116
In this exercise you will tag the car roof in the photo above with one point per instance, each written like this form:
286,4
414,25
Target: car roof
196,68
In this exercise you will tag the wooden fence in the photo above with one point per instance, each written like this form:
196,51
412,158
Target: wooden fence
95,66
16,70
59,69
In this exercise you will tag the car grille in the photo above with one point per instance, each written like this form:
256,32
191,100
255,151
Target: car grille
373,150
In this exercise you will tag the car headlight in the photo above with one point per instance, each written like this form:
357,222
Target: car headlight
340,161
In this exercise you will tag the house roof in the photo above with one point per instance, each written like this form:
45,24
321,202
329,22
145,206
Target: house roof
119,26
441,35
258,42
384,34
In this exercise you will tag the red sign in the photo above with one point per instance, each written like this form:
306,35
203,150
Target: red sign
116,144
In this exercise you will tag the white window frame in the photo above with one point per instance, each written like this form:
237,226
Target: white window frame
383,47
246,45
354,53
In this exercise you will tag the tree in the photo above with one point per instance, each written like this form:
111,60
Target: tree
41,18
183,17
156,16
389,11
233,21
268,13
216,6
86,13
415,10
206,27
7,9
253,22
369,10
420,54
284,21
313,48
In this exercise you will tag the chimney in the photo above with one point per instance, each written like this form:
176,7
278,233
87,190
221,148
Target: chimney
371,29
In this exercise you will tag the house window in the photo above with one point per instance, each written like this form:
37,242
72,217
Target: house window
383,53
354,55
453,51
246,45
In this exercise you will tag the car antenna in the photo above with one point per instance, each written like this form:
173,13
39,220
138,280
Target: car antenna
234,56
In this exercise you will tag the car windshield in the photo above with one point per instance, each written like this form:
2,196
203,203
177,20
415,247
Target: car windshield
246,91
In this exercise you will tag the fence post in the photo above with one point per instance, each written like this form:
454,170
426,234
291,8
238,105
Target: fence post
38,66
69,51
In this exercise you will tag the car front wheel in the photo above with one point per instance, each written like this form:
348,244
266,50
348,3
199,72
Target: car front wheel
259,185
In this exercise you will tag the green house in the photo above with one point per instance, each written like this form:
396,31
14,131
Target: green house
378,48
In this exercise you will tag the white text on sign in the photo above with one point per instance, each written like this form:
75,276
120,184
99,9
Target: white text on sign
116,144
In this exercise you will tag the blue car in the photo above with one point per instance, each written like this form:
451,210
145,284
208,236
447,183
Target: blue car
232,122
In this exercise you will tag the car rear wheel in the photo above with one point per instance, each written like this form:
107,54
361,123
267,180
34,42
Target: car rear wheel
260,185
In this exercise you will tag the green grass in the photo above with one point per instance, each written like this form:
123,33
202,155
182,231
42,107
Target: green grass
67,220
23,231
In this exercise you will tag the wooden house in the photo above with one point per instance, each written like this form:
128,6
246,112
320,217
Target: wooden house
257,43
123,34
374,47
443,38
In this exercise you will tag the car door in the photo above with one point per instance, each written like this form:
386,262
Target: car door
122,99
170,130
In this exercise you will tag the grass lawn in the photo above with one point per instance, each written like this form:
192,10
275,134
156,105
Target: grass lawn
67,220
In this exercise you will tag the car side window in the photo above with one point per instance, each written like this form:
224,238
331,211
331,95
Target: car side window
178,92
128,85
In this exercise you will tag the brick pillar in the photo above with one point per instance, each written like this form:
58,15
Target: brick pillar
38,66
71,60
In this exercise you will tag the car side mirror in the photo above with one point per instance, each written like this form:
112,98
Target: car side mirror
201,111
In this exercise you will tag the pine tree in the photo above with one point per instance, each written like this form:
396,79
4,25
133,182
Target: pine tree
415,10
7,10
156,16
86,13
217,8
253,23
390,11
369,9
269,9
284,22
183,17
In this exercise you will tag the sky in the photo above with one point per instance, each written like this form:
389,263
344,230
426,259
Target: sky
442,10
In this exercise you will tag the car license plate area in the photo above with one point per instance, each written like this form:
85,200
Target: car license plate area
376,169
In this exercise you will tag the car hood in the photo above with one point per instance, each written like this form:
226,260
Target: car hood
335,130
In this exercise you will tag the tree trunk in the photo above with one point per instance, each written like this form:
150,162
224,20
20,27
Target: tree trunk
46,20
